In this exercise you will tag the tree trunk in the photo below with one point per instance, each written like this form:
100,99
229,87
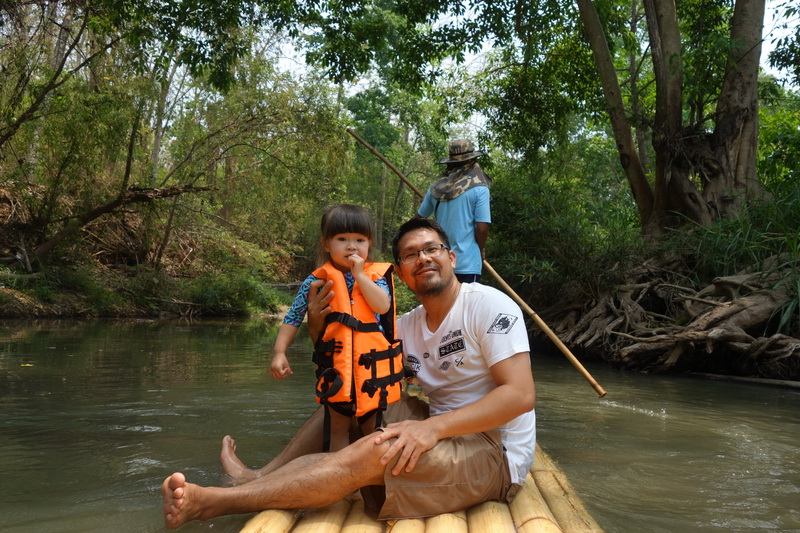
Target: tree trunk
674,189
381,222
130,196
735,138
164,82
697,176
634,65
628,155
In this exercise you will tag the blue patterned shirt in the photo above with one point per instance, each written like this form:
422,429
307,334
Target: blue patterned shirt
298,310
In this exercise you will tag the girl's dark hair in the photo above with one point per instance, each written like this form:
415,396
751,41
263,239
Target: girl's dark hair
344,218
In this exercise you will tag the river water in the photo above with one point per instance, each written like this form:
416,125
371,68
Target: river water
94,415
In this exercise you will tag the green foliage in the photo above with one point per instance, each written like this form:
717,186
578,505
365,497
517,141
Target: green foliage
273,148
778,160
150,288
408,132
788,314
207,37
552,228
706,24
405,300
236,294
786,54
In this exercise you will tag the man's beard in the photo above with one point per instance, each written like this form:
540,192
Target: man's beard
434,287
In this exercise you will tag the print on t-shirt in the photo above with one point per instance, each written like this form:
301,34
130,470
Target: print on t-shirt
502,323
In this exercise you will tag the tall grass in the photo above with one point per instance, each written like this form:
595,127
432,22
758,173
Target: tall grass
765,238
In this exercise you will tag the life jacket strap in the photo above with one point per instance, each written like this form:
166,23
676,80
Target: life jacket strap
324,352
396,372
326,430
366,359
373,385
329,382
352,322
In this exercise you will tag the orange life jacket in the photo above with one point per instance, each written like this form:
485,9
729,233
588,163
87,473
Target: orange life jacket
357,363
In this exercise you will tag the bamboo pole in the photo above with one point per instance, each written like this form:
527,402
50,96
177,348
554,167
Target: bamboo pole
358,522
386,162
490,517
406,525
271,521
326,520
531,513
560,497
549,332
536,318
447,523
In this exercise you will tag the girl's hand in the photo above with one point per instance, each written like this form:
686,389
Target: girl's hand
280,368
356,264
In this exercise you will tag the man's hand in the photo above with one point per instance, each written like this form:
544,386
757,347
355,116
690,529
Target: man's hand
414,437
319,299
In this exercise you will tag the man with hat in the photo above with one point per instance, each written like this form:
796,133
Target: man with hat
459,201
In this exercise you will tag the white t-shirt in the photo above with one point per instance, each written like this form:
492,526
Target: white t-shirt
452,364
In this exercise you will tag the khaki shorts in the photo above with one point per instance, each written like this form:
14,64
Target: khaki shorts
456,473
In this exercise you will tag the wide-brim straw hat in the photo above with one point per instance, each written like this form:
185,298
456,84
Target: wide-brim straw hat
460,151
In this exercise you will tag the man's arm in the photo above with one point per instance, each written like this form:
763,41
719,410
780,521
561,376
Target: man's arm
515,394
482,215
426,207
481,234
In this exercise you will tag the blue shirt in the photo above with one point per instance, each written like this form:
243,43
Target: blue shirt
458,218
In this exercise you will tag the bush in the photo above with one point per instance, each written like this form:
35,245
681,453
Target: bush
405,300
236,294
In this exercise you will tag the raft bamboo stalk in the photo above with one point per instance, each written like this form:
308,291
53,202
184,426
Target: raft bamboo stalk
546,504
542,461
271,521
530,512
447,523
357,521
561,498
326,520
406,525
566,507
490,517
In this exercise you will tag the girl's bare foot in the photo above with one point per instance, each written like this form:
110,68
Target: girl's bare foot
232,465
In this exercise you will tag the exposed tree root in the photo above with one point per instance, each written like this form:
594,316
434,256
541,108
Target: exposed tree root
730,326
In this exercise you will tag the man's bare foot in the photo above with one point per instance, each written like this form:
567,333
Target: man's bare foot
232,465
178,502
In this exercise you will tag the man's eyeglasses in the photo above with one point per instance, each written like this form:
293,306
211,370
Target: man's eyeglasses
431,251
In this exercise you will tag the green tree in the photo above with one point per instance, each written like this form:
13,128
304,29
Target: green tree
704,133
408,130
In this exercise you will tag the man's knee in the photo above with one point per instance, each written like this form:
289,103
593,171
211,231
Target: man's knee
364,455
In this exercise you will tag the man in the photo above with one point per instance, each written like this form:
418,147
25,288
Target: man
459,201
469,347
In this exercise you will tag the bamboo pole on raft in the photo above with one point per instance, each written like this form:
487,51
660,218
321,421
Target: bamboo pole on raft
536,318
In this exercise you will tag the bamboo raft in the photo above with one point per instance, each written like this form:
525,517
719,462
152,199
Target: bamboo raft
547,504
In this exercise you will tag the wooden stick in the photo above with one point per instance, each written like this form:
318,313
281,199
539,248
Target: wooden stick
536,318
386,161
544,327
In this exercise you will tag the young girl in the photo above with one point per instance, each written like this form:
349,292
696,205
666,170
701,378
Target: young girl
359,363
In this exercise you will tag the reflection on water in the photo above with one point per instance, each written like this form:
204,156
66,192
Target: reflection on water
94,415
